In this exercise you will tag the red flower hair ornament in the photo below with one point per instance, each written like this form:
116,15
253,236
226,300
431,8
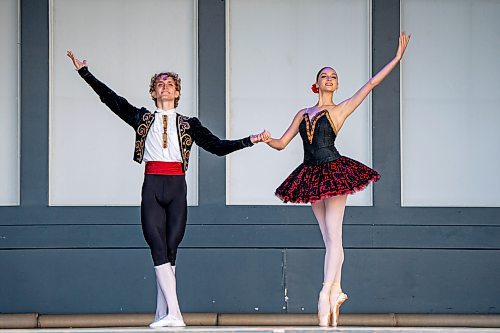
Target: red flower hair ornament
314,88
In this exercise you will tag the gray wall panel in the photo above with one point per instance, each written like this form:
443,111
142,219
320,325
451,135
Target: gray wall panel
231,280
76,281
400,281
122,280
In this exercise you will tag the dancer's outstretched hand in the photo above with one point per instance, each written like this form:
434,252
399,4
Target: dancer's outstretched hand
263,136
266,136
403,43
78,64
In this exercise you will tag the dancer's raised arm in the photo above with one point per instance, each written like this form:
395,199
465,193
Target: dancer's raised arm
348,106
118,104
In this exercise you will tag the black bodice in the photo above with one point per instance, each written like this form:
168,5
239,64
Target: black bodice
318,139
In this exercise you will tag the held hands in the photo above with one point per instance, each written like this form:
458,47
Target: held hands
403,43
263,136
78,64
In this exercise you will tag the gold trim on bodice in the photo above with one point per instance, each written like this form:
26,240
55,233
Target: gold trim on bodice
311,127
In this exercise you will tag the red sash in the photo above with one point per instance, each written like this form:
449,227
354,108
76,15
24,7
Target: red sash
164,168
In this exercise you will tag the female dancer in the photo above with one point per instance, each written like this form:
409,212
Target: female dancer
325,178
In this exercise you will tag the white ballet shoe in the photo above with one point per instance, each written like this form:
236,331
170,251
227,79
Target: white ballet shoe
174,322
162,322
168,321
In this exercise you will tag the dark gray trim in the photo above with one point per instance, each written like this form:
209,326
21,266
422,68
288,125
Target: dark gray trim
221,214
212,99
385,104
253,236
34,102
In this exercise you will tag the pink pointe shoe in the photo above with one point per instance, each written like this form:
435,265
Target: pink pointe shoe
324,307
335,303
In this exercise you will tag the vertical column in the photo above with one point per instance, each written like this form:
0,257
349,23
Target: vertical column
35,102
212,96
386,104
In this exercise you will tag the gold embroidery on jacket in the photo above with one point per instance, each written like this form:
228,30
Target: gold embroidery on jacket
142,131
185,139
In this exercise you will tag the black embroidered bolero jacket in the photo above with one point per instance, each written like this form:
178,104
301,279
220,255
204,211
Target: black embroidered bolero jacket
189,130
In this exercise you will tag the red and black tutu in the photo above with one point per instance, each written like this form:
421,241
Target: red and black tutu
310,183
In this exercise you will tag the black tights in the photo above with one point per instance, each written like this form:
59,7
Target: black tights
163,215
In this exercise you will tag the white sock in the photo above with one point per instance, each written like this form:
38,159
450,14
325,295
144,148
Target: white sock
166,279
161,303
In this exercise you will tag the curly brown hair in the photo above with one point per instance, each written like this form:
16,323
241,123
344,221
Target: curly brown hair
177,81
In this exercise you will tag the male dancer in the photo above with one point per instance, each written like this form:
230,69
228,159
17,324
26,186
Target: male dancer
163,139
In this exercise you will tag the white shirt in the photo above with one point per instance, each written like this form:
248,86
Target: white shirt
153,150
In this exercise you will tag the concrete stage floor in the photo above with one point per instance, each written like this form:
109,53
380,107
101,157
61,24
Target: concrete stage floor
259,329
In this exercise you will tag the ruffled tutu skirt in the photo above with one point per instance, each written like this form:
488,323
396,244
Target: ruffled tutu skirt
310,183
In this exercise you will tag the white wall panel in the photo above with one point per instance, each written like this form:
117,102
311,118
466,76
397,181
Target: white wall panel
274,50
9,110
450,116
124,42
